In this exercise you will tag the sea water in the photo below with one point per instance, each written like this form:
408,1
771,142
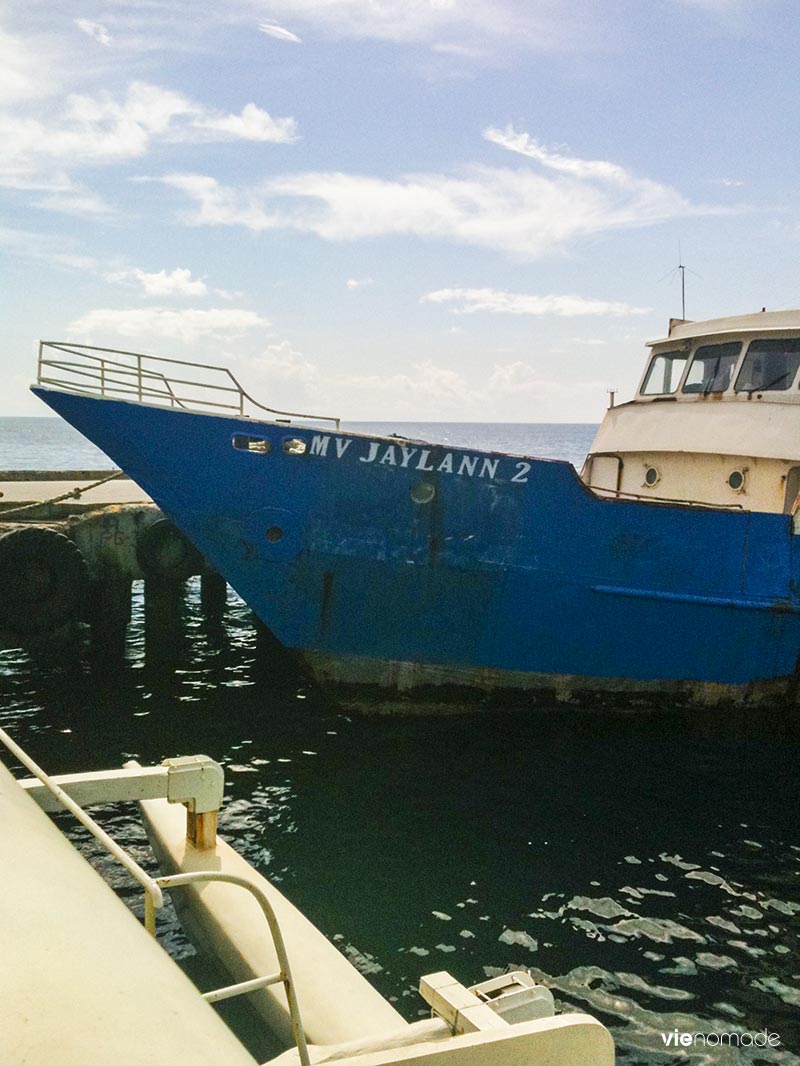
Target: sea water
646,867
52,444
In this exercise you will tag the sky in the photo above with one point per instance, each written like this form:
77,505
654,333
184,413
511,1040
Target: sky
422,210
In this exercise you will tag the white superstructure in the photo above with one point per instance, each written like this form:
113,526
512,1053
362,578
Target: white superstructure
715,419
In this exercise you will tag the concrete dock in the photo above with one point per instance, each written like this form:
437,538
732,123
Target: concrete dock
19,487
71,544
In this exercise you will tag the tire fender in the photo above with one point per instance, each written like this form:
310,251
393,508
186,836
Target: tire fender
162,551
43,580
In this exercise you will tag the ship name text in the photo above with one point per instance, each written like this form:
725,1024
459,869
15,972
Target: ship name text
415,457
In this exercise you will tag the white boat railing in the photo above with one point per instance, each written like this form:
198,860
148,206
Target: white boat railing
160,381
152,782
154,897
283,976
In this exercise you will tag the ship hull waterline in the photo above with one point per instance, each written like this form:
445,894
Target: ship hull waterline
411,576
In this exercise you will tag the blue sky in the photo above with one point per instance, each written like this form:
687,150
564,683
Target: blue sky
422,210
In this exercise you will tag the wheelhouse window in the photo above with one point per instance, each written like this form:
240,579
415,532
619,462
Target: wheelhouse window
711,369
664,373
769,366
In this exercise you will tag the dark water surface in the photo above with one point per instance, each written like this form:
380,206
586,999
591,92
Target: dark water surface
647,868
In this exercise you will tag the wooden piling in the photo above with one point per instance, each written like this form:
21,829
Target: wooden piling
109,615
213,593
163,619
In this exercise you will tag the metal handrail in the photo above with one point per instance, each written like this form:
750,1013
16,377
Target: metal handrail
120,368
109,383
153,898
101,370
618,494
284,976
141,393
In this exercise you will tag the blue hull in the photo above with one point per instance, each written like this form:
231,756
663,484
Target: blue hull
511,576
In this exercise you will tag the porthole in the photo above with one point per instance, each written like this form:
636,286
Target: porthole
258,445
294,446
652,476
274,534
423,492
736,480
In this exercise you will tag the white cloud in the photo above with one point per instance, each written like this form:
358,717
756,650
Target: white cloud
417,392
465,29
460,51
719,6
94,30
58,192
61,252
536,25
26,69
251,124
527,211
77,201
523,386
735,17
511,391
281,376
494,301
220,205
177,282
279,33
281,362
358,283
393,20
528,146
102,129
52,250
188,325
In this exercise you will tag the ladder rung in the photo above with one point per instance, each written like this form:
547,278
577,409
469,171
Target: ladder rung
229,991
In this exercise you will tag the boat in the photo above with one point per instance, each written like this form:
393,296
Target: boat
85,983
405,574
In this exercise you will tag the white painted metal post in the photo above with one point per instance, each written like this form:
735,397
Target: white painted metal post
149,884
285,975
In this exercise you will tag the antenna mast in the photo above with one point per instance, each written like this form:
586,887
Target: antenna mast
682,269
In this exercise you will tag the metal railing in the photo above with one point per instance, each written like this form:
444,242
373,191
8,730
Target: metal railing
160,381
154,897
618,494
283,976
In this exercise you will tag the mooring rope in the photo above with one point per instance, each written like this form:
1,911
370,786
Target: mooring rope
73,494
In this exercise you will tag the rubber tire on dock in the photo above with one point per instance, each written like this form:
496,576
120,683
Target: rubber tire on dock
163,551
43,580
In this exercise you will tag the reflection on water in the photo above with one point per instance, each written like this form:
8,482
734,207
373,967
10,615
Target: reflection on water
647,869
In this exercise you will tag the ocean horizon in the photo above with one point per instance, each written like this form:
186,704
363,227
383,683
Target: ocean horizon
46,442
